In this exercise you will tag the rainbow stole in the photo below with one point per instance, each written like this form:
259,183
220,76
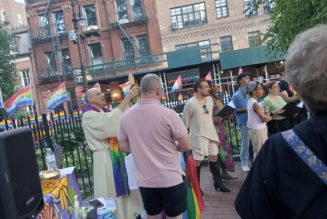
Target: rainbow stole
118,168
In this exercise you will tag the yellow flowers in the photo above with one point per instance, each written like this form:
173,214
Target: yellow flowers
61,192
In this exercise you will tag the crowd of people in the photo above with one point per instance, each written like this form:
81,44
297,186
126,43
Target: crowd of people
280,183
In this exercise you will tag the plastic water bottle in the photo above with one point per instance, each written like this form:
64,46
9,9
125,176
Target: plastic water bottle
77,209
51,160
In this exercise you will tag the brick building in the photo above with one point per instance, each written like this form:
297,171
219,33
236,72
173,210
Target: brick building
13,17
115,38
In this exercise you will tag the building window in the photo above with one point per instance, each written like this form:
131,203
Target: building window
226,43
188,16
19,18
25,77
50,62
15,44
4,16
250,8
205,49
254,38
59,21
128,50
221,8
66,62
122,11
91,17
44,26
143,45
268,6
96,54
137,9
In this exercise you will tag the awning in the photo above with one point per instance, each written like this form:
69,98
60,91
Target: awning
247,57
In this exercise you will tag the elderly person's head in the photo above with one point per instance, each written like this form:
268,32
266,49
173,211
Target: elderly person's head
306,67
151,87
95,98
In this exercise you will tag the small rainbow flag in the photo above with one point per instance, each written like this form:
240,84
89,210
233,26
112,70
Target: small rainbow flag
75,114
208,76
125,87
3,124
62,115
32,120
20,99
55,117
178,84
39,119
57,96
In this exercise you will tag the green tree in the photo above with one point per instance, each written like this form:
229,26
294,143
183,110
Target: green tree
289,18
7,65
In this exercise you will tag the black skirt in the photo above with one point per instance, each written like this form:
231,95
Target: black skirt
280,125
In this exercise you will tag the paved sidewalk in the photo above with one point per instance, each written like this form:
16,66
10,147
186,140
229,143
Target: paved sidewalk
219,205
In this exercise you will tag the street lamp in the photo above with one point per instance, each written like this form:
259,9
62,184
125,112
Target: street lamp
77,18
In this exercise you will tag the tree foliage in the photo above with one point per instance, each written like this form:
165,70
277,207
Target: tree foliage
290,18
7,65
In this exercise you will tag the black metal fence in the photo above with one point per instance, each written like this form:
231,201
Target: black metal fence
64,135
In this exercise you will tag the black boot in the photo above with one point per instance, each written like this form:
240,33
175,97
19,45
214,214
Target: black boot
198,172
217,183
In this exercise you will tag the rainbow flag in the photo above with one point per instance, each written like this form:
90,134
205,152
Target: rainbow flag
240,70
55,117
39,119
57,96
118,167
177,85
208,76
75,114
3,124
32,120
195,203
125,87
20,99
61,115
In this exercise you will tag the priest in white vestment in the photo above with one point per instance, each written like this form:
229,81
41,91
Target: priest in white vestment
99,124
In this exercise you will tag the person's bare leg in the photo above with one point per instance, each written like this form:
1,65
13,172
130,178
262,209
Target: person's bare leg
177,217
158,216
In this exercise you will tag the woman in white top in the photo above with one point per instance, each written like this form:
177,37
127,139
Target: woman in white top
256,116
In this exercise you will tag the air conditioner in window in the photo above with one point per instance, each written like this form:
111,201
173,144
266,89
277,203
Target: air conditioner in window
92,27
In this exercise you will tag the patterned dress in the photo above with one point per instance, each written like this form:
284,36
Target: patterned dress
225,150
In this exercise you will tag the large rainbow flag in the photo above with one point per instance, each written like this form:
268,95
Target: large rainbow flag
20,99
178,84
57,96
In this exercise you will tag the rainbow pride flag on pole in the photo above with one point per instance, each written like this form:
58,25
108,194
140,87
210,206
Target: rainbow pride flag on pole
20,99
178,84
125,87
57,96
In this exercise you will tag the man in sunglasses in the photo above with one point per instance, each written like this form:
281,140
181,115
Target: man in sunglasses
197,116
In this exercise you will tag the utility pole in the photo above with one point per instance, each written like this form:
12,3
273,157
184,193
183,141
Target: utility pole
76,19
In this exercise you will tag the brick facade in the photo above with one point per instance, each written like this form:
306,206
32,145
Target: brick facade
235,25
106,33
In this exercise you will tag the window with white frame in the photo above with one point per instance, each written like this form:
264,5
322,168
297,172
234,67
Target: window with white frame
250,8
221,8
188,16
122,11
59,21
91,16
268,6
254,38
137,9
96,54
226,43
25,77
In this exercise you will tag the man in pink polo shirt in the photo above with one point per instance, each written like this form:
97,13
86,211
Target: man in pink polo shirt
149,130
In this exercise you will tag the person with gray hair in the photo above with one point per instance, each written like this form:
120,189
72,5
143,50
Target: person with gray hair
149,131
289,176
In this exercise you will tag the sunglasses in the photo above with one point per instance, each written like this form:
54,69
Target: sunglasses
206,111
